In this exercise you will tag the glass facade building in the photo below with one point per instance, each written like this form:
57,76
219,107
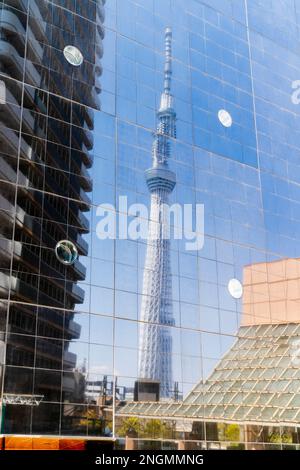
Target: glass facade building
75,142
47,118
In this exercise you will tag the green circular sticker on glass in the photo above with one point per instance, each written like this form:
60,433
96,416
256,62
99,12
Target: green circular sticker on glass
235,288
225,118
66,252
73,55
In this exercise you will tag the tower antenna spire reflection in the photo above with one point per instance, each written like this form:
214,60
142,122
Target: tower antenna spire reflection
168,62
155,346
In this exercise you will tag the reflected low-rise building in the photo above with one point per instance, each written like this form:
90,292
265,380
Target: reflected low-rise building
251,400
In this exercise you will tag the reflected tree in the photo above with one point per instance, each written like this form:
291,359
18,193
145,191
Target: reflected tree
130,427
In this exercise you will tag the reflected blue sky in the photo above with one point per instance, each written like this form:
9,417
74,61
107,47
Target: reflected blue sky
237,172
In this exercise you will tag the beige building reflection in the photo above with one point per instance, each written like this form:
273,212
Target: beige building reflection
271,292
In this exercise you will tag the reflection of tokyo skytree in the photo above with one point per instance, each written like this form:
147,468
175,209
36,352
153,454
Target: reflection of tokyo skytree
155,347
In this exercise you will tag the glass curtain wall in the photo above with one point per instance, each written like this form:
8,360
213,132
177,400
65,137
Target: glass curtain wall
70,156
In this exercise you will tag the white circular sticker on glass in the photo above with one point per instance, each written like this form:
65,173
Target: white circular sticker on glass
235,288
66,252
73,55
225,118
